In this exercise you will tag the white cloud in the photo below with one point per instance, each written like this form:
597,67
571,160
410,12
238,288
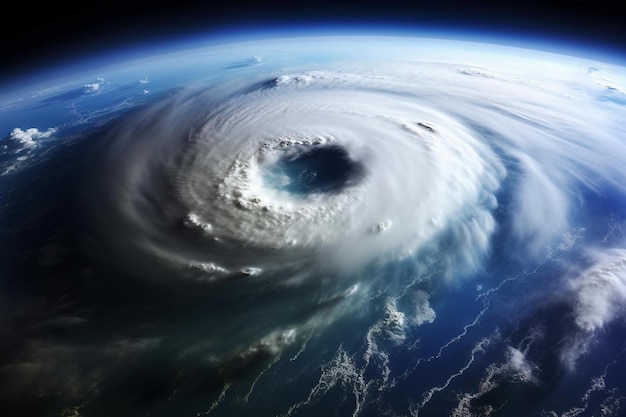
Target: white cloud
542,207
21,143
600,291
26,138
92,87
423,311
519,364
598,296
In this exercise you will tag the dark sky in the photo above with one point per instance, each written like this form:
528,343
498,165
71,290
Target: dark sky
35,36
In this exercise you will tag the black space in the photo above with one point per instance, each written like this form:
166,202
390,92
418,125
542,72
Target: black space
37,35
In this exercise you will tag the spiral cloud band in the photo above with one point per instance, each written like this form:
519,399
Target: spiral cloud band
307,168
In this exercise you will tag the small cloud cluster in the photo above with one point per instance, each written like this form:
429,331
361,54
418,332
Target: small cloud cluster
26,138
21,143
93,87
600,291
598,296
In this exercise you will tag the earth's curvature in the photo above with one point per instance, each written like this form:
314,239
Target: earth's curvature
351,226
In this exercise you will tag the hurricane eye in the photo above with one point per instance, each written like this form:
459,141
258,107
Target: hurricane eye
314,170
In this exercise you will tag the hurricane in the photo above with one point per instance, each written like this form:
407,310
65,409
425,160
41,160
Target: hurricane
304,172
425,229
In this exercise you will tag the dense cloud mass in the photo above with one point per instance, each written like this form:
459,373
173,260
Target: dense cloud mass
317,222
244,182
